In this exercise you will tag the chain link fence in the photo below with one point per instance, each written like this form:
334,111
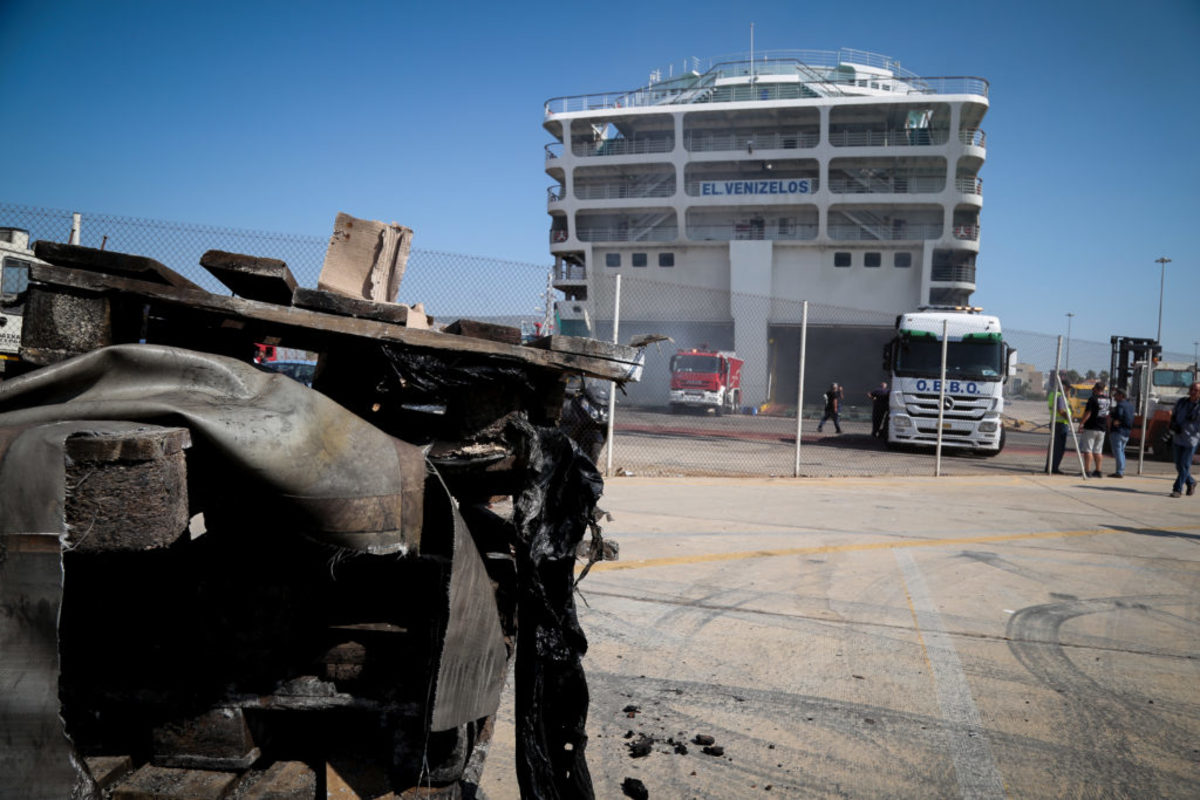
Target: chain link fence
791,354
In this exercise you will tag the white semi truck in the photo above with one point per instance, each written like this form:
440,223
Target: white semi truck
978,363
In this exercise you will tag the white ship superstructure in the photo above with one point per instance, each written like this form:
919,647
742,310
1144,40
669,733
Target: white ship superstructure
835,177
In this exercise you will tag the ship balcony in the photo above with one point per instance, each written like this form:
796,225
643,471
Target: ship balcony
555,194
899,137
570,274
622,146
642,225
664,186
753,230
554,151
966,233
973,137
895,231
956,274
887,184
749,142
971,188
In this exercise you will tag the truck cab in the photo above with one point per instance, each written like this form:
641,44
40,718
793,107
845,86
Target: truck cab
978,363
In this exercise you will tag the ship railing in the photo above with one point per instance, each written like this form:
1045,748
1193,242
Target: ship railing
895,137
774,140
960,273
742,231
666,94
969,185
624,147
973,136
554,150
966,233
555,193
625,191
897,231
570,272
626,233
893,184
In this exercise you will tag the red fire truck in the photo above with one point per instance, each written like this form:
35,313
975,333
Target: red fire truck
703,379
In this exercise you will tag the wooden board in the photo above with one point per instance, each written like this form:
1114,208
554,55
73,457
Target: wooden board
108,262
235,311
330,303
251,277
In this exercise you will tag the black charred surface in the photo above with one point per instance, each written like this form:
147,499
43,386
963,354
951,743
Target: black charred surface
551,515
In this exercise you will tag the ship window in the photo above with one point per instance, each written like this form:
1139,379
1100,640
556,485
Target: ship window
872,259
902,260
612,259
841,259
666,259
639,259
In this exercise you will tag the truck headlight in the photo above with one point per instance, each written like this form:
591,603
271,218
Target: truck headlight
988,426
903,422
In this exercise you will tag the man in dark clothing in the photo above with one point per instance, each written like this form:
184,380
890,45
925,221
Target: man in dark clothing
879,410
1185,425
833,404
1119,427
1092,426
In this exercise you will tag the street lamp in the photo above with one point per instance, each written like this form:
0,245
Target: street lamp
1162,282
1067,366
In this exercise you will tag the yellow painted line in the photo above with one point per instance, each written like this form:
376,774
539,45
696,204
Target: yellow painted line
856,548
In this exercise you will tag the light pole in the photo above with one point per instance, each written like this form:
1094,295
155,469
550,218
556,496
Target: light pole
1067,366
1162,282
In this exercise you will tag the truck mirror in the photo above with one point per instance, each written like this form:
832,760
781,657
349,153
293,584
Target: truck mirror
887,356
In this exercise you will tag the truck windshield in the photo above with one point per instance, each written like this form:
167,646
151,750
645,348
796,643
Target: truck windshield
693,363
972,359
1176,378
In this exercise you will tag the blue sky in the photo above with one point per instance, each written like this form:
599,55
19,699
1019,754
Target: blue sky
277,115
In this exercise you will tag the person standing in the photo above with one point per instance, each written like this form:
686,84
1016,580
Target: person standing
1119,427
1092,426
879,409
1185,425
1061,412
833,405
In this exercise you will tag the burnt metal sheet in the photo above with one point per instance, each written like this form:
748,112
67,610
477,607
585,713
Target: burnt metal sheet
343,480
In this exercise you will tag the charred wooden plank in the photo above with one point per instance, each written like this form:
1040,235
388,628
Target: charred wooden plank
163,783
217,739
74,256
126,491
314,328
330,303
251,277
485,330
64,323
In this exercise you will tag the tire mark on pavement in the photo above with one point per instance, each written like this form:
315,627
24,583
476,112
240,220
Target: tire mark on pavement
978,776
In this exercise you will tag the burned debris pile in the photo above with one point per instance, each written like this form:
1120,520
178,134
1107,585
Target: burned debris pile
213,576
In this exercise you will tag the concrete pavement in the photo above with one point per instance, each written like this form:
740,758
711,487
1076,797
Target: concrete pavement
999,636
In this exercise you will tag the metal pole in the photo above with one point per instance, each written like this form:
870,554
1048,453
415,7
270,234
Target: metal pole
1162,282
612,385
1067,366
800,382
937,463
1146,370
1054,405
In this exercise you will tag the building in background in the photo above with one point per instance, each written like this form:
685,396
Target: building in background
735,189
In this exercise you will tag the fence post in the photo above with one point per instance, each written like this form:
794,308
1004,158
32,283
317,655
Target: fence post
937,461
800,382
1055,386
612,386
1146,372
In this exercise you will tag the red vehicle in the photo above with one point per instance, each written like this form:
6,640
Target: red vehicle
703,379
